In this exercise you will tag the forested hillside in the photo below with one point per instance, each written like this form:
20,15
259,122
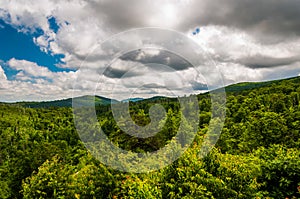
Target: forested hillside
256,156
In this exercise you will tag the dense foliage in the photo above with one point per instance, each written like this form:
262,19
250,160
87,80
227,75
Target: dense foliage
257,155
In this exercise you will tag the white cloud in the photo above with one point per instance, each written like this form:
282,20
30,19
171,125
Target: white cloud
2,74
228,44
28,13
234,73
29,68
34,82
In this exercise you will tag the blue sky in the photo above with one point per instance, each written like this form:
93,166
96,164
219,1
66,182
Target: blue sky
46,45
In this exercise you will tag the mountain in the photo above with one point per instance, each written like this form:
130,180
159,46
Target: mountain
99,100
132,100
82,101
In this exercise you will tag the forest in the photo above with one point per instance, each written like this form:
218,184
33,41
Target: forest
256,156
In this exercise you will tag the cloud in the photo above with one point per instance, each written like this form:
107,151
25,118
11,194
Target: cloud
162,57
34,82
281,71
259,61
29,68
27,16
153,85
267,20
2,74
119,73
199,86
136,13
3,79
234,73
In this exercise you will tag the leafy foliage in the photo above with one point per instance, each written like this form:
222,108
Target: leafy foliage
256,156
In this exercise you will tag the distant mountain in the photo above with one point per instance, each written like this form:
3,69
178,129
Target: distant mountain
133,100
85,100
155,98
81,101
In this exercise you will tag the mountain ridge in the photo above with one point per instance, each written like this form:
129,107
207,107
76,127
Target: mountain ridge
100,100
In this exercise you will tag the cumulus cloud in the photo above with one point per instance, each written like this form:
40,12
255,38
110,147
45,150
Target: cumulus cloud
260,61
2,74
29,68
34,82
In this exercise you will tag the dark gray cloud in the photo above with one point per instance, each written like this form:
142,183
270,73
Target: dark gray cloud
261,17
259,61
119,73
155,60
277,17
162,58
122,15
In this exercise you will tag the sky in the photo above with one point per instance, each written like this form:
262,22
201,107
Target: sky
54,49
